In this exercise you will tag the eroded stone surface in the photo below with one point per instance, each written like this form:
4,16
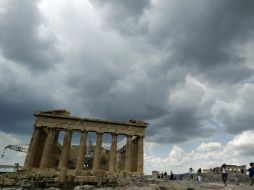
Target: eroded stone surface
46,154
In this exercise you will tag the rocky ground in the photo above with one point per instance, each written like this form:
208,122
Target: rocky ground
169,185
134,183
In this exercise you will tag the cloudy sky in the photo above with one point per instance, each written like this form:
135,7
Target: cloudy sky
185,67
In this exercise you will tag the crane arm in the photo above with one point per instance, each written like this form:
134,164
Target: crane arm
17,148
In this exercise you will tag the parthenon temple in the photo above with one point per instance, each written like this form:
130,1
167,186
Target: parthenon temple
46,154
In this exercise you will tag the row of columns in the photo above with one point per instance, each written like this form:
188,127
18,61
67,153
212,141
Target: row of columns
51,141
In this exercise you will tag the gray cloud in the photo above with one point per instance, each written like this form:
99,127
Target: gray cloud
165,62
126,16
205,34
237,115
19,98
23,37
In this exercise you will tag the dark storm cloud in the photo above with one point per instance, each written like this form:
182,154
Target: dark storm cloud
201,38
181,124
16,115
202,30
167,64
126,16
207,34
107,91
237,116
19,98
23,37
227,73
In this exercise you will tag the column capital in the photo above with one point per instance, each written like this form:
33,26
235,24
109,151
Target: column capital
69,129
36,126
50,129
129,136
114,134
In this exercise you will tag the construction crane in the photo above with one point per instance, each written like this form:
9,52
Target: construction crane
18,148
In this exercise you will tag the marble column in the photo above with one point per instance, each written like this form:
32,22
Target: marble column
47,155
55,149
97,152
65,153
33,147
127,166
81,151
134,154
140,155
112,156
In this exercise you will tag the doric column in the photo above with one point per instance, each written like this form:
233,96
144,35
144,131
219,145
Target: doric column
121,160
56,138
64,158
48,155
82,151
55,149
33,147
97,152
112,156
134,154
140,155
127,165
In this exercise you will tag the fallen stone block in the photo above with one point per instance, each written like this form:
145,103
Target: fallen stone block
84,187
93,179
8,182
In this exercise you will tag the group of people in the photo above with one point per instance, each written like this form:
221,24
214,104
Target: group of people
199,174
224,174
164,175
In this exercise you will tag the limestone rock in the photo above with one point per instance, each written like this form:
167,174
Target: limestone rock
8,182
84,187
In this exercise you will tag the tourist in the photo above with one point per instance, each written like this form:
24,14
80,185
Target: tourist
251,173
161,175
224,174
199,173
171,176
191,171
165,175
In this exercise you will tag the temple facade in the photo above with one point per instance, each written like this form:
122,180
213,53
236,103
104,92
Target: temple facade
43,148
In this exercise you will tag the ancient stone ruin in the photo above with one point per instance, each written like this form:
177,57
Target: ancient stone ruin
46,155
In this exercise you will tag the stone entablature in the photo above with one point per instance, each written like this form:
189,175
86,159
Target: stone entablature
44,142
94,125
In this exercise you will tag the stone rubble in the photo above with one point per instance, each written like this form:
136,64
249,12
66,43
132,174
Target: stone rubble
31,179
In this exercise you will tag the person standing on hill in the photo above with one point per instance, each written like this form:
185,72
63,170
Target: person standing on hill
165,175
251,173
199,173
171,176
224,174
191,171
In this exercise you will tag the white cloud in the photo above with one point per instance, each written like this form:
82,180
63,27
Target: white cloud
237,151
211,146
242,144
